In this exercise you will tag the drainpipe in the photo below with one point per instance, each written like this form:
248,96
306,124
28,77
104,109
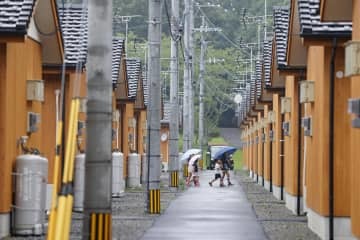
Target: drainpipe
282,156
271,159
299,153
331,140
262,156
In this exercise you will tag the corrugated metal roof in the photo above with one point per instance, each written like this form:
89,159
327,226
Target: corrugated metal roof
281,28
310,24
258,75
267,61
117,51
15,15
133,70
73,20
146,88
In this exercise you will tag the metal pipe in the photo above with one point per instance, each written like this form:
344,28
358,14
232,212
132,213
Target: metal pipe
282,161
298,153
331,139
271,159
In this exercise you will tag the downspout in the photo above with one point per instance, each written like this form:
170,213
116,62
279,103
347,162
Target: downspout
262,156
271,158
282,156
331,140
299,153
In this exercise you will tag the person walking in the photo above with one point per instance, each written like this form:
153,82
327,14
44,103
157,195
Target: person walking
217,174
226,169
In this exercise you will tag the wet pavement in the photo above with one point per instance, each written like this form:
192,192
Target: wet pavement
208,213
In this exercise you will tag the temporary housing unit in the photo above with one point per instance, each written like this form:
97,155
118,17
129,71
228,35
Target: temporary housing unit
130,102
349,12
327,150
30,41
289,48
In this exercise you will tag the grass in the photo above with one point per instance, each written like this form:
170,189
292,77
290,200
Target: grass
238,159
217,141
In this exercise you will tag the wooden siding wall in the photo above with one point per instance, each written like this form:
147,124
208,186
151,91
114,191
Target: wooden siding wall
266,146
164,146
254,148
142,132
291,142
128,113
276,144
355,136
260,148
19,62
246,149
317,147
52,82
251,152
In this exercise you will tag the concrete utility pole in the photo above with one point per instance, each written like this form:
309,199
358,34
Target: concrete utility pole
154,108
191,77
98,164
174,116
201,94
187,82
203,29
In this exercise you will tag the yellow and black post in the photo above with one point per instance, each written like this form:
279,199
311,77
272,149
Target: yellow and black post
174,179
100,226
185,171
154,201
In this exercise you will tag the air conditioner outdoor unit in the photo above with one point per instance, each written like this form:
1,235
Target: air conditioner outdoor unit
307,91
285,105
352,58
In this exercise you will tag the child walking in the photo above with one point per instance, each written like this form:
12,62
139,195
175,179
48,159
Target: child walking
217,173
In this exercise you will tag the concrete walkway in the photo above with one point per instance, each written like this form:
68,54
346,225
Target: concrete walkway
208,213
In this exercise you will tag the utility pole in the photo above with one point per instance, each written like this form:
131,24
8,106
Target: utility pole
203,29
126,20
174,114
153,114
98,164
187,71
192,74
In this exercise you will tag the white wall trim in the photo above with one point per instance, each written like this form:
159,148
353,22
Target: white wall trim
260,180
320,225
267,185
277,192
291,203
4,225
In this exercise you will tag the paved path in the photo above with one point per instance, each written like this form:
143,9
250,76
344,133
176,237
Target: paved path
208,213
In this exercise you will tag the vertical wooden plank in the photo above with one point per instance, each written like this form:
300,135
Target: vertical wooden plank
355,136
4,161
314,161
52,82
259,146
266,146
276,144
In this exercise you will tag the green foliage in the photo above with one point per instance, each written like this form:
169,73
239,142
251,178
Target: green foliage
219,77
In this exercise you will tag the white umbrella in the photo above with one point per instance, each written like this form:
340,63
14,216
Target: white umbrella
189,152
194,158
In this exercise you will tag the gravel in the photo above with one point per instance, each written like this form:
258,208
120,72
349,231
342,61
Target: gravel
131,220
278,222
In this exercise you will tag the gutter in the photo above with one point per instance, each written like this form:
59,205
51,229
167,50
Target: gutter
331,139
